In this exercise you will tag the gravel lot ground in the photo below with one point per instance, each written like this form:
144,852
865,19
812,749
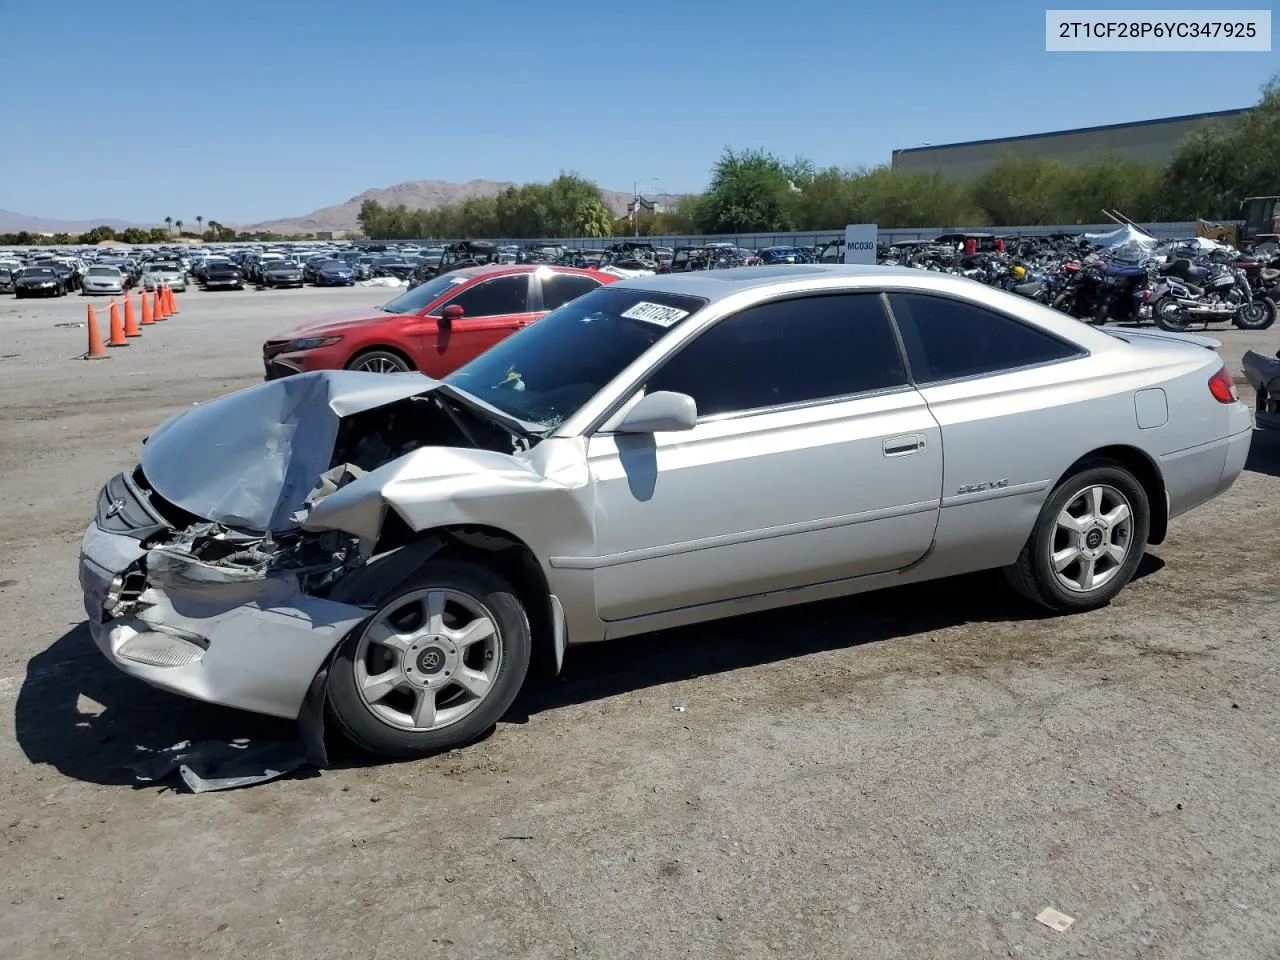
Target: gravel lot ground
916,773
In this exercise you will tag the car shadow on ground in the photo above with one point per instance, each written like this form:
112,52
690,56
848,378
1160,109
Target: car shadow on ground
1264,453
89,721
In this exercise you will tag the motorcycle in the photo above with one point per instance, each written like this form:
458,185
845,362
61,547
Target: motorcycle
1187,291
1118,291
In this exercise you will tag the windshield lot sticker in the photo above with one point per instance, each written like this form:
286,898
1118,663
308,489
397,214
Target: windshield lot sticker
657,313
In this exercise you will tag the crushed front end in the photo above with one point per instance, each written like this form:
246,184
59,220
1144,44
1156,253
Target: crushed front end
208,612
198,574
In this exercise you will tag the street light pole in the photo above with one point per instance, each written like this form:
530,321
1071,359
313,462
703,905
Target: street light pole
635,203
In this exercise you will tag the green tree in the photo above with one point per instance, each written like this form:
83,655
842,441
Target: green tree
750,190
168,222
157,235
199,223
178,224
1217,167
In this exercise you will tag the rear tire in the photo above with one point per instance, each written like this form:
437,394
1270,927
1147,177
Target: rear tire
1088,540
387,668
1168,315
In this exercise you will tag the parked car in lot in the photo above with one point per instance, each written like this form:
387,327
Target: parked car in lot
332,273
158,272
1263,374
44,281
102,280
222,275
659,452
8,273
435,327
280,273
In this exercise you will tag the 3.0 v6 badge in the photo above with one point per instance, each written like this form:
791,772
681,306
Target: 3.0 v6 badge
978,487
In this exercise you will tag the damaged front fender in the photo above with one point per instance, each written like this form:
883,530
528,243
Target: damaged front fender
540,496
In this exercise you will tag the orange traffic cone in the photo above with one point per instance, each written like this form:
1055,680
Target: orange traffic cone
96,350
117,329
147,318
173,301
130,323
157,305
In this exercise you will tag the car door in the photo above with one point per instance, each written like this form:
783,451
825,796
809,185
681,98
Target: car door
1015,408
813,460
492,310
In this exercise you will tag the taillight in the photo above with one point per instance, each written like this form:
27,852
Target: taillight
1223,387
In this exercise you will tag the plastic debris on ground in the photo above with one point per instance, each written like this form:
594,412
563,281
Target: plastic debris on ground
1055,920
226,765
381,282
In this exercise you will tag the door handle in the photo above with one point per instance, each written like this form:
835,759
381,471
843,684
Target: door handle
903,446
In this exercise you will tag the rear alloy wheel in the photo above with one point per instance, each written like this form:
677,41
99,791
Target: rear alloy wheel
435,667
1169,315
1088,540
380,361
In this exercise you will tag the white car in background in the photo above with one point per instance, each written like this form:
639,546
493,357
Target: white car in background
166,272
102,280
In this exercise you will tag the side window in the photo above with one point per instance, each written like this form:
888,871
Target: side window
947,339
788,351
559,288
496,297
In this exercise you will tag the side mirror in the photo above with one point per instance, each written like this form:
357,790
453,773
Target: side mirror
660,412
449,314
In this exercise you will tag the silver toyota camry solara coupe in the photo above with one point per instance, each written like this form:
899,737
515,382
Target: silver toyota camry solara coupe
661,451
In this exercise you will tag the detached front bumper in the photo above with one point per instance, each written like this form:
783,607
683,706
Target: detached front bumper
194,630
1263,374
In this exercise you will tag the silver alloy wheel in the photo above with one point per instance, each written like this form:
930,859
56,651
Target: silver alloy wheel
379,364
1172,311
428,659
1092,538
1253,314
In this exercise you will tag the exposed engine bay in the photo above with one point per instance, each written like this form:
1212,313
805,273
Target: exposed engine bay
178,544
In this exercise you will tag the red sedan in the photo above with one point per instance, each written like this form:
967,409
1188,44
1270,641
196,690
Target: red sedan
435,327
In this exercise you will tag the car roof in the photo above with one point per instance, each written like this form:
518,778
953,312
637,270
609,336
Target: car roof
717,284
498,269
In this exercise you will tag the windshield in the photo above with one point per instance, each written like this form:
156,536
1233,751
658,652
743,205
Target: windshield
37,272
425,294
103,272
331,265
548,370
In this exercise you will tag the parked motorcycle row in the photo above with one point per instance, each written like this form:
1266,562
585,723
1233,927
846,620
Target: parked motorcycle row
1124,276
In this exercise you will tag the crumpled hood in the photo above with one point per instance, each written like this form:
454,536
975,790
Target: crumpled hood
248,460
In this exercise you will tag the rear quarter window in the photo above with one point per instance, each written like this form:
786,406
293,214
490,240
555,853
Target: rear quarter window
950,339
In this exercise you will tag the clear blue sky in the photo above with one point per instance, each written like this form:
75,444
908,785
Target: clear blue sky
248,111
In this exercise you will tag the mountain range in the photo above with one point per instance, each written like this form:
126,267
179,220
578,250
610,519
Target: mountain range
11,222
414,194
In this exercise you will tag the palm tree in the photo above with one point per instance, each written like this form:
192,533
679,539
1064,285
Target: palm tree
168,222
215,228
593,219
199,221
178,224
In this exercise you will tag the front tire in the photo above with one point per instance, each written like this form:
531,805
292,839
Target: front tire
1087,542
380,361
1258,314
435,667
